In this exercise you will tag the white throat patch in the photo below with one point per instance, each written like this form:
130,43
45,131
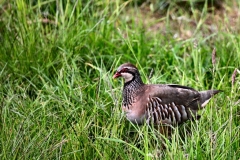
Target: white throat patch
127,76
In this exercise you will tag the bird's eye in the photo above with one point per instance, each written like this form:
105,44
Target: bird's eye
124,70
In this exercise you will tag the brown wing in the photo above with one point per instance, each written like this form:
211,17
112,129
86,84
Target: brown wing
180,95
171,104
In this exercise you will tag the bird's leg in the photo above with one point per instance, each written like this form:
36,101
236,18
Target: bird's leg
166,132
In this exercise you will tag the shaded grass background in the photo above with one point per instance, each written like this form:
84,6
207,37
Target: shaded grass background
58,99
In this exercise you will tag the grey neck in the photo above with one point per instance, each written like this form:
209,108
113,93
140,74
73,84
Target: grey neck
130,90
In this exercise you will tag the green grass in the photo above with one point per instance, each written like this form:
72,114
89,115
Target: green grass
58,98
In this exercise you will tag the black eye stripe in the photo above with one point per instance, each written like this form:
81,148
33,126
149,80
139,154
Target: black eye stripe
123,70
127,70
130,72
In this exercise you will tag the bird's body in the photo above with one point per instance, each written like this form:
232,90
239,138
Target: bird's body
158,103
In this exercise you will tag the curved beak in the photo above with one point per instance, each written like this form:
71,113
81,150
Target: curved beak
116,75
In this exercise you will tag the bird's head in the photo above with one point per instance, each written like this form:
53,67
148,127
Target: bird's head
128,71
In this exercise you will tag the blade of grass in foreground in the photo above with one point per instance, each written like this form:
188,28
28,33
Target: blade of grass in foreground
121,141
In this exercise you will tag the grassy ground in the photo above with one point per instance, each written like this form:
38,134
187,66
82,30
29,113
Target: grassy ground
58,99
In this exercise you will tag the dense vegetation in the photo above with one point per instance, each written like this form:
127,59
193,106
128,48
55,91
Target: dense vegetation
57,59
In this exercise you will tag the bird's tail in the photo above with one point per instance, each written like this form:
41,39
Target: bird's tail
206,96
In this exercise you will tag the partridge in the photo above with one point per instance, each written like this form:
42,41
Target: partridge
169,104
